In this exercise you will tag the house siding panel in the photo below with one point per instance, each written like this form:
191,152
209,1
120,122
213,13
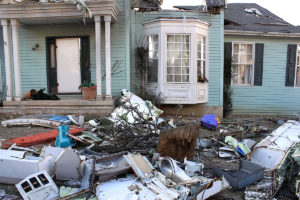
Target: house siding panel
216,40
273,97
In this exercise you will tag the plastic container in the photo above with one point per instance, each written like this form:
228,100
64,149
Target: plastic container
209,121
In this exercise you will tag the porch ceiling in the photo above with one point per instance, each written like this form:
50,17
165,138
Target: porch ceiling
56,13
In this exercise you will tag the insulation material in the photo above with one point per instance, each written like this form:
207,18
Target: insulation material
273,149
146,108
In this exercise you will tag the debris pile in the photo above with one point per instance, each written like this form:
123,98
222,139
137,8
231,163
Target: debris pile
136,154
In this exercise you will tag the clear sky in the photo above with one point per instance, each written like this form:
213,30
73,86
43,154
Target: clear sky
289,10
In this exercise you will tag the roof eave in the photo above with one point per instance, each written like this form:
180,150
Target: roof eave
257,33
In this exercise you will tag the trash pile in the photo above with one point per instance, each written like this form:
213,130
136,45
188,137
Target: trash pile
136,154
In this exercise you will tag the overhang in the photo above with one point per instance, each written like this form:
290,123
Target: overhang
65,11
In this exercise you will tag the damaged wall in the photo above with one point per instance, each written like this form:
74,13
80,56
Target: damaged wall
216,41
33,62
273,97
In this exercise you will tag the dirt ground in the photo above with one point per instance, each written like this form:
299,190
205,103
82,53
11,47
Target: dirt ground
250,127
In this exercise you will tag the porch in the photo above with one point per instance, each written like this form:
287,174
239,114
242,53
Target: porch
63,106
13,16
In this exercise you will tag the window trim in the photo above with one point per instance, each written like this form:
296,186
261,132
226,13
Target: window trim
296,66
253,63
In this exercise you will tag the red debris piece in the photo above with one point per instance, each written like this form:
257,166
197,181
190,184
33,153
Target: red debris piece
35,139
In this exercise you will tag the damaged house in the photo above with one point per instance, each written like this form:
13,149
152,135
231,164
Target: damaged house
56,46
261,61
262,58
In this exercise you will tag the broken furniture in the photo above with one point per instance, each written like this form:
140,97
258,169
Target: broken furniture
247,174
38,186
178,143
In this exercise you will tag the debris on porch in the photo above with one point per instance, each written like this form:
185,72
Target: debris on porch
137,153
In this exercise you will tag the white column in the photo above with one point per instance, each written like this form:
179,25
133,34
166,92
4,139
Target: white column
98,56
107,20
8,71
16,57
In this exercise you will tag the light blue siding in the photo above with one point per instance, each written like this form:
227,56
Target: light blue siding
273,97
216,40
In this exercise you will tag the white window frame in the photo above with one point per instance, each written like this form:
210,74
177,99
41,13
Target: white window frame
297,66
253,62
191,92
181,66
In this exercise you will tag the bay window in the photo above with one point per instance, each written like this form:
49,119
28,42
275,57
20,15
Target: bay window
178,60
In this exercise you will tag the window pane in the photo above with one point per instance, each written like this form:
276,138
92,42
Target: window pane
185,70
178,38
236,48
170,38
177,57
171,46
235,58
201,59
298,77
170,78
243,48
249,59
152,68
243,58
185,78
249,48
245,71
234,74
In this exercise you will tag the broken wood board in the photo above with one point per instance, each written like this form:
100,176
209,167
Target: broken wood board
178,143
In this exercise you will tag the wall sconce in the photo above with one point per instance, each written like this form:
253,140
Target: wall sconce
35,47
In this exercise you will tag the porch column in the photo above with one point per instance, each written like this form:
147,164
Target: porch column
98,56
107,19
8,71
16,58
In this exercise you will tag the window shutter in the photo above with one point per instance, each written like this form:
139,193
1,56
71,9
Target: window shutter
258,67
291,64
227,62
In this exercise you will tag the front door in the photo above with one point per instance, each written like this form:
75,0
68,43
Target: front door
68,64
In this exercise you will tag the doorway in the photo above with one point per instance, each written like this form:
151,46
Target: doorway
68,64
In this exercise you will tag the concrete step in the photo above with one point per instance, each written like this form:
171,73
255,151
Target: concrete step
58,103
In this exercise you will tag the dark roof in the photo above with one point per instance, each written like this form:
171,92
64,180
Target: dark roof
236,18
